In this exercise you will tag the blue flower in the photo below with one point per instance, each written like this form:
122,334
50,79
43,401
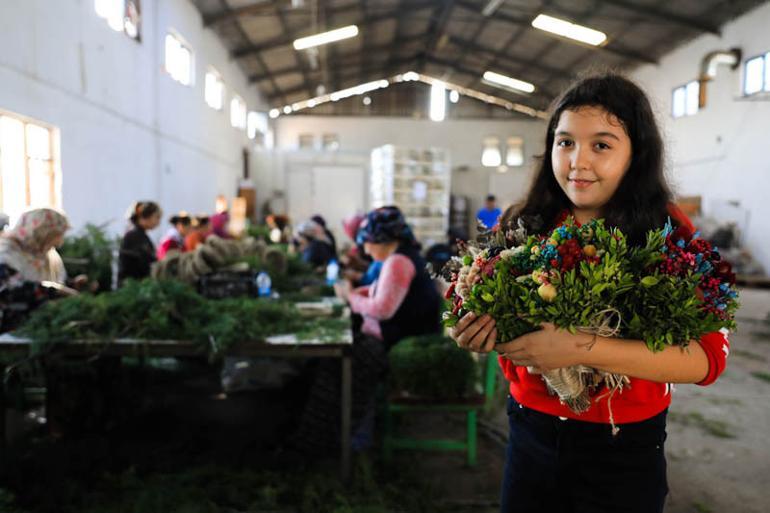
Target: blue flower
681,243
668,229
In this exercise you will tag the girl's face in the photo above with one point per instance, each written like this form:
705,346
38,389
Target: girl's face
591,153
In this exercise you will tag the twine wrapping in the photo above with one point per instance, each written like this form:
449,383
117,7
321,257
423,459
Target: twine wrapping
573,384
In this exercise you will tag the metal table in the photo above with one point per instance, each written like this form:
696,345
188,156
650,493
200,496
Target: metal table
285,346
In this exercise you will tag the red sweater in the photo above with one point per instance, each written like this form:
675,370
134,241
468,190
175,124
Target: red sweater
639,401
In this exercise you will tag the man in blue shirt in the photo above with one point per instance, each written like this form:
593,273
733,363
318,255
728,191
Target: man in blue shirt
489,214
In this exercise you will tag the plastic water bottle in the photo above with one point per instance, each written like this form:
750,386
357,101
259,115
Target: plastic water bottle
264,284
332,271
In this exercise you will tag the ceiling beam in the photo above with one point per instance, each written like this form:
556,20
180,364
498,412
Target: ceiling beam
287,39
441,14
276,89
540,100
473,40
341,58
502,55
666,16
540,92
261,8
364,36
351,73
527,22
299,58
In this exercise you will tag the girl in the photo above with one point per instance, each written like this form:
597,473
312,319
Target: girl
174,238
603,159
137,252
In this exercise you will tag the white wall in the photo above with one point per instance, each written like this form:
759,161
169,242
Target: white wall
128,131
721,152
358,136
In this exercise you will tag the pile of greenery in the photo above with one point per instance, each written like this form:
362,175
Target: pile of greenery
259,232
432,366
168,310
89,253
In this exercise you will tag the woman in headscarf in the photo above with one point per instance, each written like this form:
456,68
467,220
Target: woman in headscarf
312,244
359,268
174,238
30,246
137,252
329,235
402,302
219,224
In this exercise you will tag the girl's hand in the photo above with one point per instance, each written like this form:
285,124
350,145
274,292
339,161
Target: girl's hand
474,333
546,349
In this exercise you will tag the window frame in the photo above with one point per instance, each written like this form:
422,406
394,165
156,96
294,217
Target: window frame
222,94
765,74
127,6
686,99
182,42
243,125
53,163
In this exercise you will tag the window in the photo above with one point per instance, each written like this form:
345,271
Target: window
306,141
757,77
490,155
514,152
29,172
121,15
685,100
214,90
330,142
179,59
256,124
238,113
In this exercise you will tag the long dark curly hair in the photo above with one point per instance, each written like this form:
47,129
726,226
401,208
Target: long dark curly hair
641,200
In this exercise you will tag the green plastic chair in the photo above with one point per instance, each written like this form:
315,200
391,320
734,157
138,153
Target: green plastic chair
468,405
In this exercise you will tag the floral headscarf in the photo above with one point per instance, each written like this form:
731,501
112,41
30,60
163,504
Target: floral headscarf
385,224
27,246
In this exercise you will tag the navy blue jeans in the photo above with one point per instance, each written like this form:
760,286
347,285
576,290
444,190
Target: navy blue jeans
569,466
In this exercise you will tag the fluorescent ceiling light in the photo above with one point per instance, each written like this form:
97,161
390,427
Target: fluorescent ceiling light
571,30
507,82
304,43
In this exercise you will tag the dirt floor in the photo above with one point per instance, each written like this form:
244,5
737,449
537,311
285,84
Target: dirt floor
718,449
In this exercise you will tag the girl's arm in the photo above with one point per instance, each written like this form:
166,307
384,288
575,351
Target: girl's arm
551,348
